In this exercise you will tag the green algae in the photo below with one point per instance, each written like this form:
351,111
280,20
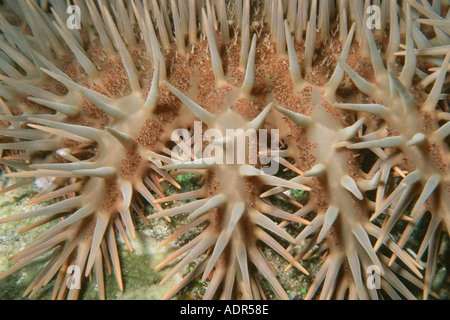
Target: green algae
11,241
140,279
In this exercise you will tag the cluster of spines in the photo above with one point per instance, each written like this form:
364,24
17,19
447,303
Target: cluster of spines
183,26
88,232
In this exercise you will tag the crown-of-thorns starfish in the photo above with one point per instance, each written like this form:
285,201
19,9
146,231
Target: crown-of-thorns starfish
362,116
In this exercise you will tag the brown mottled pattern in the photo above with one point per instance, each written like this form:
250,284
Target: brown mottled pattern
130,164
